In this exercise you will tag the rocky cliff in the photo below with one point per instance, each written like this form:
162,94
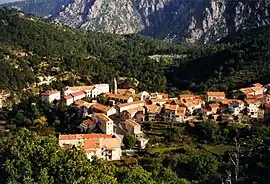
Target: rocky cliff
185,21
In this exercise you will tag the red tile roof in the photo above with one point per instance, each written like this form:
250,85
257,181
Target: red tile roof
134,110
79,88
130,122
219,94
247,90
152,108
89,122
101,116
79,93
132,103
170,107
48,93
68,97
91,143
257,85
82,136
101,108
213,106
159,100
110,143
186,96
116,96
180,111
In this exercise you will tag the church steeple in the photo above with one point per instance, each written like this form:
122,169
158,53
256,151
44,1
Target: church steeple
115,86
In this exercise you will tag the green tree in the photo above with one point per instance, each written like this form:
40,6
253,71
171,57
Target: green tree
202,166
129,141
135,175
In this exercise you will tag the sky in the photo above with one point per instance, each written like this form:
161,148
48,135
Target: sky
6,1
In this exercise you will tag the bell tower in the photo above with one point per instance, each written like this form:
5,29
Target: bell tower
115,86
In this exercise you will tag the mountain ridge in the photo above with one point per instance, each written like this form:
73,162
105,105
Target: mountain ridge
178,21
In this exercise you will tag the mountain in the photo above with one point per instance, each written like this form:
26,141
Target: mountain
41,8
238,60
30,47
178,21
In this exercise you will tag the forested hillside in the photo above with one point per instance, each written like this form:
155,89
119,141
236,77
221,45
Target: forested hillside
99,56
234,62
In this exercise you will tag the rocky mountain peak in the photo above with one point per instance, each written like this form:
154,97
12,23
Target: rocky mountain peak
196,21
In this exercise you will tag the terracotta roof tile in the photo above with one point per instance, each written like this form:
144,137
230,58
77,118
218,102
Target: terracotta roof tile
102,116
180,111
152,108
159,100
110,143
68,97
79,88
89,122
247,90
219,94
116,96
134,110
101,108
48,93
132,103
82,136
170,107
131,122
79,93
213,106
257,85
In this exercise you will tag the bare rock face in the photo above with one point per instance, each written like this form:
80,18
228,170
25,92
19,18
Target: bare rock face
179,21
114,16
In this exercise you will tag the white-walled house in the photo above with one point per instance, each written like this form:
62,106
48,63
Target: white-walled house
68,99
104,123
213,96
132,105
71,98
174,113
103,146
133,128
87,124
180,114
90,91
236,106
78,95
253,107
99,108
50,96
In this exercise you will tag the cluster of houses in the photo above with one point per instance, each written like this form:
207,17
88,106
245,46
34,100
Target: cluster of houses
124,110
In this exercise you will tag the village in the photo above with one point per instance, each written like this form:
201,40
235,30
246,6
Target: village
124,110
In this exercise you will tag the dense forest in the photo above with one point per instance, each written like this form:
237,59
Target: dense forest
100,57
235,61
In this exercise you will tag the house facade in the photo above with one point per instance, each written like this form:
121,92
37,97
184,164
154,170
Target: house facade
133,128
153,111
128,106
72,97
99,108
104,123
174,113
213,96
253,108
50,96
87,124
118,98
90,91
103,146
180,114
